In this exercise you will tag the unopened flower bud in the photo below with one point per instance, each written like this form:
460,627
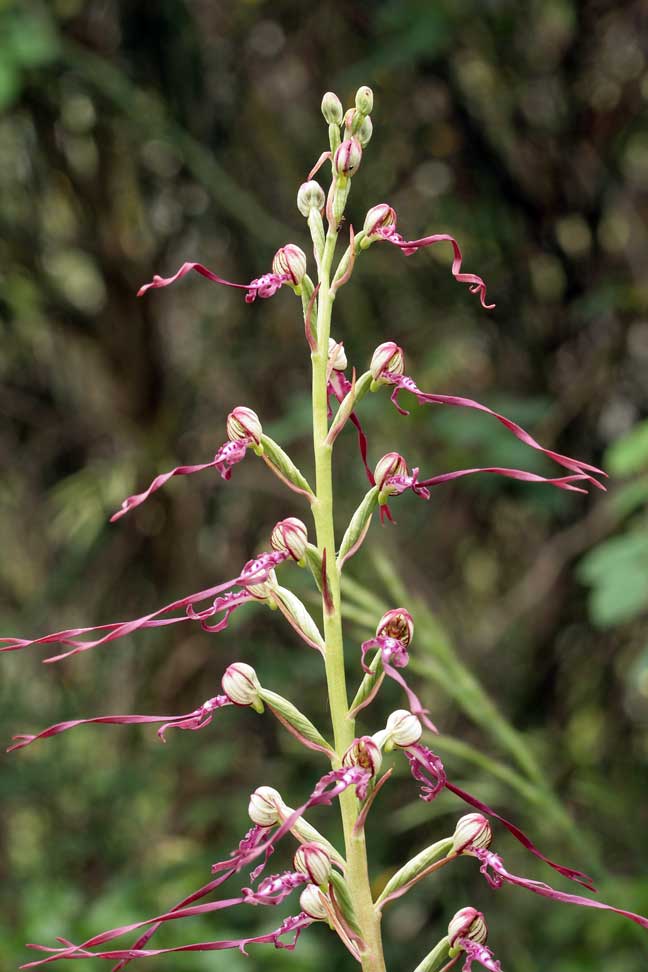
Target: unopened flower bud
241,685
290,535
311,900
332,108
265,806
310,196
313,860
403,728
364,100
363,752
391,464
388,357
365,131
243,423
472,831
290,260
338,359
348,156
397,624
467,923
349,120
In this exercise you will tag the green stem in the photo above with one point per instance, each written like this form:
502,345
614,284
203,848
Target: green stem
357,874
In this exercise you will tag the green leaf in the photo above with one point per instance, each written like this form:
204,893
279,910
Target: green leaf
629,454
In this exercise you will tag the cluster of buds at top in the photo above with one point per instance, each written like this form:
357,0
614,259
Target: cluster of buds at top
468,923
290,261
244,425
241,685
290,536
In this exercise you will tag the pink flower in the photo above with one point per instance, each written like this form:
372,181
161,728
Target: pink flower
476,952
388,232
255,572
493,869
400,483
227,456
264,286
259,841
293,925
403,382
194,721
393,655
427,768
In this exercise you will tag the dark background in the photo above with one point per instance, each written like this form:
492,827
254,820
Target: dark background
134,136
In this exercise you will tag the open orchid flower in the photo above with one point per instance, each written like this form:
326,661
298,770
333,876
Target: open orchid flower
387,231
394,655
264,286
428,769
403,382
259,841
194,721
272,891
493,869
225,458
339,386
293,925
402,480
476,952
252,578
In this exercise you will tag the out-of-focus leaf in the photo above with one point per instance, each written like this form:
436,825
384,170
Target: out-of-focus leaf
629,454
617,571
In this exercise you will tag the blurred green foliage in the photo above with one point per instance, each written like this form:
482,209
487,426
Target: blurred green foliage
134,136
